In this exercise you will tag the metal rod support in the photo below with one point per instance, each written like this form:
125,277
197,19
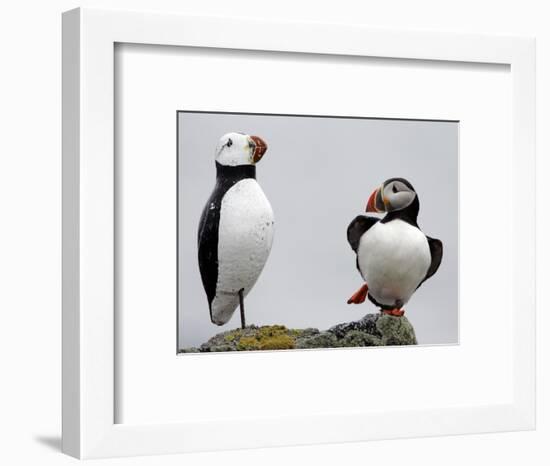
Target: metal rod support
241,305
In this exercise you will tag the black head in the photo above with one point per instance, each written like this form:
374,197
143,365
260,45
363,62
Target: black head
397,198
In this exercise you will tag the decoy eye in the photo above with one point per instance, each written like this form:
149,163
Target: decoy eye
394,189
229,143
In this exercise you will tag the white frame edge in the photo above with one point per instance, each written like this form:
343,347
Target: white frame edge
88,222
70,230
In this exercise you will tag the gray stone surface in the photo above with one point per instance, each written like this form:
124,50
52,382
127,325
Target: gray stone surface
372,330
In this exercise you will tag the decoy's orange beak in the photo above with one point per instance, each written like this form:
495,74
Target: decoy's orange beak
375,203
260,147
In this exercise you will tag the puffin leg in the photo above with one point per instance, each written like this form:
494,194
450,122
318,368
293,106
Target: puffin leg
360,295
394,312
241,306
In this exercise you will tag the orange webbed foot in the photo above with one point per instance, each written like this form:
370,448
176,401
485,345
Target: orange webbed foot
359,296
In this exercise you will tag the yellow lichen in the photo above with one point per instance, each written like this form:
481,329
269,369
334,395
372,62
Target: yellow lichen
277,342
269,337
248,344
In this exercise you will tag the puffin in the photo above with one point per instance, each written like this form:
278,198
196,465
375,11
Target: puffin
394,256
236,227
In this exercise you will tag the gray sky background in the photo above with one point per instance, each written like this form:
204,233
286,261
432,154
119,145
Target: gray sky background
318,174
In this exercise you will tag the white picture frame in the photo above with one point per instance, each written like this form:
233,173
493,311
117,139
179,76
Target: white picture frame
90,342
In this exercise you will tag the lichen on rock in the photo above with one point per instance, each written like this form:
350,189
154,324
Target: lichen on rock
358,338
372,330
395,331
318,340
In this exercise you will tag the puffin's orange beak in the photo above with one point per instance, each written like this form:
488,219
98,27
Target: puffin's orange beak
375,202
260,148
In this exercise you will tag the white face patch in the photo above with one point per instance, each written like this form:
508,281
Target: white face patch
397,196
234,149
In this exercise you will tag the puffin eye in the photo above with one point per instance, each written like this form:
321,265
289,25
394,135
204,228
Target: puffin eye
394,189
229,143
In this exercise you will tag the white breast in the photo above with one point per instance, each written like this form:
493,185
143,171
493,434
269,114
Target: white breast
245,238
394,258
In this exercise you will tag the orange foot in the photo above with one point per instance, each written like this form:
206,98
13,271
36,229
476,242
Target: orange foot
394,312
360,295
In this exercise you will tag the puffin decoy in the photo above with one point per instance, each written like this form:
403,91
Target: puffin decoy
235,229
394,256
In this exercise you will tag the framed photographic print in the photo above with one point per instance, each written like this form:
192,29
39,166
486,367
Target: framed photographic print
293,307
331,226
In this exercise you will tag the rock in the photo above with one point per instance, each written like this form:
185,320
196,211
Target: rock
389,330
372,330
252,338
190,350
358,338
367,324
318,340
396,331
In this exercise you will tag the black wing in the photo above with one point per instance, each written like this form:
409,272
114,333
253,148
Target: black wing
357,228
208,245
436,251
